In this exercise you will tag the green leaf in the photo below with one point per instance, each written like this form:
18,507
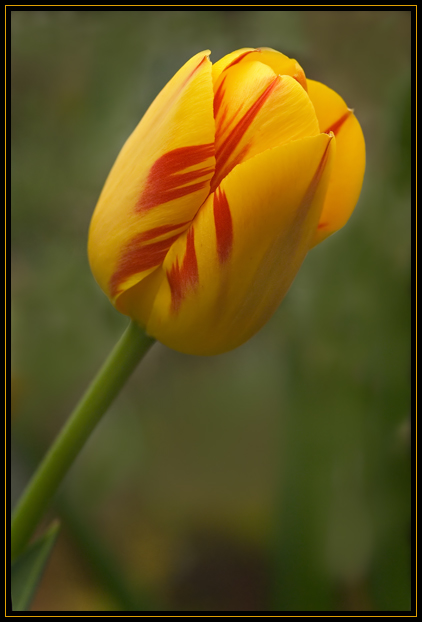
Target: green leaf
28,568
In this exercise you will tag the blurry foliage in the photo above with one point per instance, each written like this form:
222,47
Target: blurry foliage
274,477
28,568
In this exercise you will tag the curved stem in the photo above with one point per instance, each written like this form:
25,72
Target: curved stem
110,379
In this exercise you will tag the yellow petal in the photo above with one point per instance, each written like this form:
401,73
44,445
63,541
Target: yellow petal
225,276
255,110
158,182
227,61
281,65
349,165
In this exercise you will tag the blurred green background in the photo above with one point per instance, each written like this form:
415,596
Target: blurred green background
272,478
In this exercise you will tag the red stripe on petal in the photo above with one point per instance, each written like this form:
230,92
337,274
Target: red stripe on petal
223,225
137,257
227,147
192,73
336,127
158,231
166,181
218,97
203,60
195,70
184,278
239,58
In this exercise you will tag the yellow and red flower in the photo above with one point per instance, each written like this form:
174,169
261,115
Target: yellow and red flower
235,171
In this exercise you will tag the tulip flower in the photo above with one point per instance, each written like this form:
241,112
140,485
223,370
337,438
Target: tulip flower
235,171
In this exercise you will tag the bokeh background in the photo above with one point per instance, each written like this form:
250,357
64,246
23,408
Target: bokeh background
272,478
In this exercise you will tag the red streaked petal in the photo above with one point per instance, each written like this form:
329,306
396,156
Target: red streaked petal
138,257
159,231
160,179
336,126
223,225
349,165
239,58
184,278
229,60
255,110
226,149
166,180
280,63
218,97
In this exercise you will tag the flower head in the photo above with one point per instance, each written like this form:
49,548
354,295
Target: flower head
235,171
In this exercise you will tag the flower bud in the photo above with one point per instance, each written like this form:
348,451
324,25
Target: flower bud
235,171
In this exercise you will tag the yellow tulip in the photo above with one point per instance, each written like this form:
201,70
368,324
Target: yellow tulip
235,171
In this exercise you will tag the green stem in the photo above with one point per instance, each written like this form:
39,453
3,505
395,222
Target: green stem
105,387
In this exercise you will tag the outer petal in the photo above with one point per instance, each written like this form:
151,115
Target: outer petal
158,182
224,277
255,110
349,166
279,63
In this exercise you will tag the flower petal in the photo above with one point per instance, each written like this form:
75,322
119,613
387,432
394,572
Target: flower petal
229,60
225,276
349,165
158,182
281,65
255,110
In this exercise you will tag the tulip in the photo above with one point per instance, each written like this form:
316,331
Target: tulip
235,171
